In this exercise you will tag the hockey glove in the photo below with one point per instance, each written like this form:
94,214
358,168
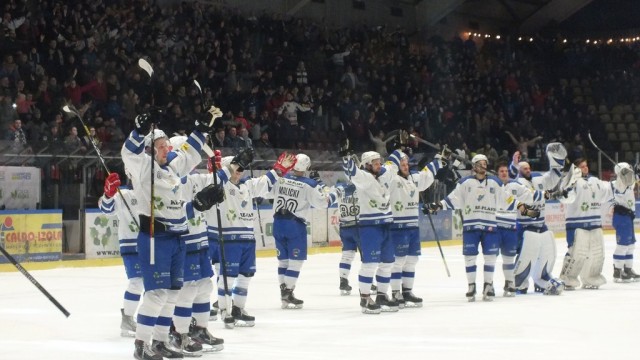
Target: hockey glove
349,166
142,123
528,211
214,163
208,197
554,195
345,148
431,208
111,184
243,159
285,163
204,122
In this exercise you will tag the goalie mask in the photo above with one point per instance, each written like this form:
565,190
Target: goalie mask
624,174
556,153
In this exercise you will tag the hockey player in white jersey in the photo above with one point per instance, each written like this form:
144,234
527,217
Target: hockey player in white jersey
624,206
406,186
239,234
373,182
479,196
506,222
585,254
294,195
162,260
195,295
112,203
347,212
537,254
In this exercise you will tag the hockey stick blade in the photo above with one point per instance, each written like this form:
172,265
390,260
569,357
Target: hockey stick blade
197,85
144,64
600,150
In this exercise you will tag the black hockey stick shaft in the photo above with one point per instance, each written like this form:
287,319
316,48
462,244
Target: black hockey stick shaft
72,110
453,154
600,150
34,281
223,258
435,235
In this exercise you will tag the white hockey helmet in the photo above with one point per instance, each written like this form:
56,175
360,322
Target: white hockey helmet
157,134
303,163
479,158
624,174
368,157
177,141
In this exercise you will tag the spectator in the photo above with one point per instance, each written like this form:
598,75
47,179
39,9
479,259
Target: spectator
17,136
73,143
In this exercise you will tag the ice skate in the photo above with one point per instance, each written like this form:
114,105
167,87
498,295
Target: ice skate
397,296
203,336
554,287
227,319
144,352
345,288
160,347
374,290
471,293
509,289
369,306
242,318
522,291
386,304
488,293
632,274
620,275
411,301
127,325
289,301
188,346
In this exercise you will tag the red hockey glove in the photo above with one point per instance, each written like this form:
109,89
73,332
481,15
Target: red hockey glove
111,184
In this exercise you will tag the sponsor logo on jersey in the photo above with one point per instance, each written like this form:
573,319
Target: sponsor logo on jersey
584,206
480,197
398,206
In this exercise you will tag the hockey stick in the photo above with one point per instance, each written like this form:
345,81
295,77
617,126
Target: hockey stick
435,235
452,154
253,199
223,259
34,281
600,150
144,64
72,110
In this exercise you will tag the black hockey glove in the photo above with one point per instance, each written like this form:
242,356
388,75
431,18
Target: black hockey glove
142,123
431,208
203,122
528,211
208,197
243,159
554,195
345,148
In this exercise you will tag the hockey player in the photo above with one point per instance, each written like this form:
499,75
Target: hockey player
239,234
478,196
373,183
405,191
537,254
294,195
162,260
585,254
195,295
508,238
624,204
112,202
347,212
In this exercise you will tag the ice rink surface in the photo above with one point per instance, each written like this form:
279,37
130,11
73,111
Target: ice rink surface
582,324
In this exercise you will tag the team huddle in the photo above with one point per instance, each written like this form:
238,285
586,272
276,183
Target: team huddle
202,224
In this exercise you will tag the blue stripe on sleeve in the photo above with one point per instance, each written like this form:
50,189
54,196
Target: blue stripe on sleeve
272,179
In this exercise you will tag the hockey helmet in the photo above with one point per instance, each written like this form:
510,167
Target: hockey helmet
479,158
157,134
303,163
369,156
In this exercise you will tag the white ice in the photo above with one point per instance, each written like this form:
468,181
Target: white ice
582,324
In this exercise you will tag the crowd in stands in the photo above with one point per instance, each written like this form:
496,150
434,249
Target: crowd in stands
290,83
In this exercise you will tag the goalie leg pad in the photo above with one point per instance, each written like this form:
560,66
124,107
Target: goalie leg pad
527,257
575,259
546,259
591,273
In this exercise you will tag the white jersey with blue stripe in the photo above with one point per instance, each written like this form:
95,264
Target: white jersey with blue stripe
375,191
405,195
516,192
127,226
591,194
294,195
237,213
168,201
539,183
348,209
196,238
624,197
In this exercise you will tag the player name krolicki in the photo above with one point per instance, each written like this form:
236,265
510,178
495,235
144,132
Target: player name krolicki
289,192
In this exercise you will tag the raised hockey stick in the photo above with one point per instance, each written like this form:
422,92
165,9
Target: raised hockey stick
72,110
34,281
600,150
144,64
453,153
435,235
253,199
